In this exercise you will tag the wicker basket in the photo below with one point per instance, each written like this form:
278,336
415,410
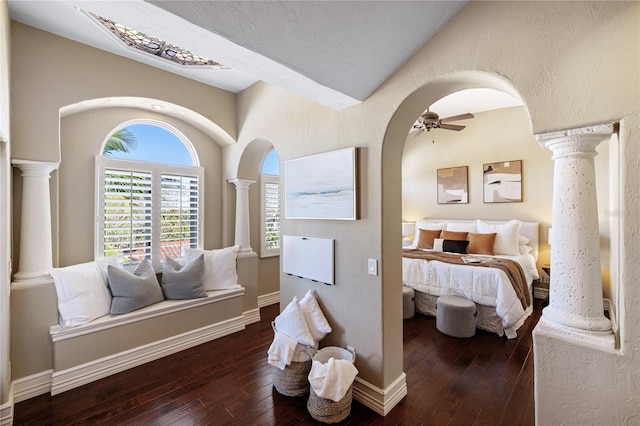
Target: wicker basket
326,410
293,380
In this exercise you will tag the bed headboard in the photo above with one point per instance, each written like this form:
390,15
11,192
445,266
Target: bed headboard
529,230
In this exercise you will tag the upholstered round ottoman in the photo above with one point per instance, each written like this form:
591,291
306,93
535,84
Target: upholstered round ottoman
408,302
456,316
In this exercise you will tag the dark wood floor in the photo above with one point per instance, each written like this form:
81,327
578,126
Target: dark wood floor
484,380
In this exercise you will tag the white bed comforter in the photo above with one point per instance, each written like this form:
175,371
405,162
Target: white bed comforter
486,286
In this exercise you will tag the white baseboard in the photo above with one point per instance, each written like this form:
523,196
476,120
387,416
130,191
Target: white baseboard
32,386
382,401
70,378
251,316
6,409
268,299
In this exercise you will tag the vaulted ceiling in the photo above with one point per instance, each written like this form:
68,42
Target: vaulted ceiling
334,52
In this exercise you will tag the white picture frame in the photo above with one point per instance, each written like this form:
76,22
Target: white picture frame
322,186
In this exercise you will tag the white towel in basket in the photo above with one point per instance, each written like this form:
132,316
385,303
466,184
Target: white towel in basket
281,350
332,379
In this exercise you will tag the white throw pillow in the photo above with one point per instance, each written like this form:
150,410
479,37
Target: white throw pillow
438,244
506,236
82,290
220,270
316,321
292,323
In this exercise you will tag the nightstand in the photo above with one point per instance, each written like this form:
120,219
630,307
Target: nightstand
547,270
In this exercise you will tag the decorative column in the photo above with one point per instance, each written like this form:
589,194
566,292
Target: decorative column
242,235
36,258
575,295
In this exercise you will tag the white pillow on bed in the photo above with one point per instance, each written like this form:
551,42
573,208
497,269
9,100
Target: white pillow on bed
428,225
507,235
462,227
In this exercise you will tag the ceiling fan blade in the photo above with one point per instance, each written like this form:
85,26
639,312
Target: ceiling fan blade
457,117
452,127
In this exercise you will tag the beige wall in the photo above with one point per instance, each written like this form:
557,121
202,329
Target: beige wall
58,72
5,209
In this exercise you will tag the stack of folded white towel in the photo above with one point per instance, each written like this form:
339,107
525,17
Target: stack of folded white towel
300,323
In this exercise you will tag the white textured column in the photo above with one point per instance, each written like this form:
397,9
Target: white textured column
575,293
35,222
242,235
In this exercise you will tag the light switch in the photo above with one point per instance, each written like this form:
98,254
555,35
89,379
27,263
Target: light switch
373,267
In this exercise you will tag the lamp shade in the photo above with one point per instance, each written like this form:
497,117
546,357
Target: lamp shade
549,237
408,228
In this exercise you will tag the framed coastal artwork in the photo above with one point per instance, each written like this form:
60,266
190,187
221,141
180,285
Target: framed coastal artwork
453,185
502,182
322,186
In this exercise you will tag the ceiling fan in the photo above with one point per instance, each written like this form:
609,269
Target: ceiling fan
430,120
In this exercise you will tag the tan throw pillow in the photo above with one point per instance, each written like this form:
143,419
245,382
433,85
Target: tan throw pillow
481,243
454,235
426,238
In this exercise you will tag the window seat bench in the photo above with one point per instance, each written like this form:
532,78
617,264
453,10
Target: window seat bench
114,343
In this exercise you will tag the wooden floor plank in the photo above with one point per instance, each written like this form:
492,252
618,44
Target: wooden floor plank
482,380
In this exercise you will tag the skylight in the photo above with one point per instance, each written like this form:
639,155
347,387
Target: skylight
154,46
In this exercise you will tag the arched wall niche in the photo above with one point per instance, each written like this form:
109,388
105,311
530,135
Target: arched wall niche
249,167
157,106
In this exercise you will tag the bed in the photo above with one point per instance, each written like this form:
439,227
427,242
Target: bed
501,306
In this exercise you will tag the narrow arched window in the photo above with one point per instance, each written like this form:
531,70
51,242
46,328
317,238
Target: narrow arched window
150,198
270,212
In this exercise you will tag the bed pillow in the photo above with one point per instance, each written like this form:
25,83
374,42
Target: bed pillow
83,294
426,238
462,226
455,246
454,235
292,323
220,270
428,225
437,244
482,243
316,321
133,290
183,282
506,238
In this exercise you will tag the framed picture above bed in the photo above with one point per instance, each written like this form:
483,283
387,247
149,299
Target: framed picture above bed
502,182
453,185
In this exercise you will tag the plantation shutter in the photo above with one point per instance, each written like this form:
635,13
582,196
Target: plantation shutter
270,216
127,213
147,210
179,214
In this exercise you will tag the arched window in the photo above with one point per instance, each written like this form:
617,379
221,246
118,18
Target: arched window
270,211
150,198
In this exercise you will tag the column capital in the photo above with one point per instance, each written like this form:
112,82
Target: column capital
241,183
575,142
34,168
